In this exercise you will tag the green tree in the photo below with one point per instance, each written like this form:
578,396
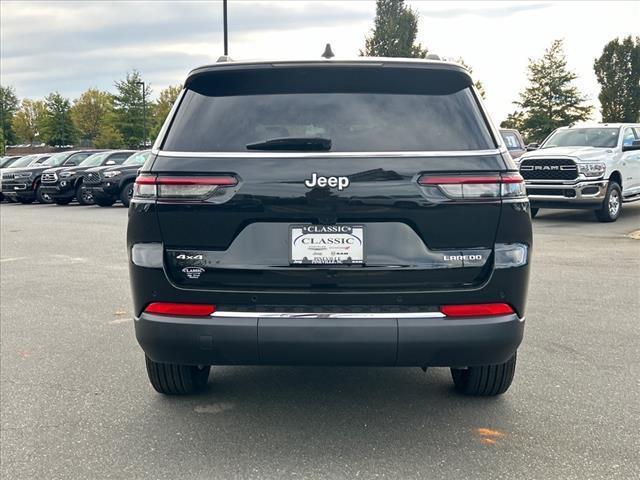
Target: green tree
129,109
8,106
478,84
551,100
394,32
108,137
514,120
57,126
91,112
618,73
163,106
28,121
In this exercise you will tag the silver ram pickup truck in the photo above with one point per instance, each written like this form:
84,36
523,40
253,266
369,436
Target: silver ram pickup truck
590,167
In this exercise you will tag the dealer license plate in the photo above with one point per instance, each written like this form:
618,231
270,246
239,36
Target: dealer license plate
327,244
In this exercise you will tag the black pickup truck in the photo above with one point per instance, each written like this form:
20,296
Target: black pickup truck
108,185
24,184
64,184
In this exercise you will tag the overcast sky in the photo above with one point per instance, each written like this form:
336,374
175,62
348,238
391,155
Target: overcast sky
71,46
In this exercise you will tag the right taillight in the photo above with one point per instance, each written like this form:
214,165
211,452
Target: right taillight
475,187
181,187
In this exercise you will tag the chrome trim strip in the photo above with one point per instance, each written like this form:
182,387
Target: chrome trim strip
234,314
448,153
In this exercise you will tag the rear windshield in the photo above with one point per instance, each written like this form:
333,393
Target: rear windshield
410,119
511,140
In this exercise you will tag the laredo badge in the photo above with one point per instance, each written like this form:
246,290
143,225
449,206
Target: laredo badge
193,272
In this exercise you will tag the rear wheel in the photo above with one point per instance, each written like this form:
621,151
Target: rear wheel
42,197
534,212
62,201
612,205
126,193
84,196
172,379
486,380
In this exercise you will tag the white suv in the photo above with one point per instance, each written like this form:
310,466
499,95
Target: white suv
595,167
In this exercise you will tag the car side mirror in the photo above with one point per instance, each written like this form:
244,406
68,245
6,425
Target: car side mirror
634,146
110,162
532,146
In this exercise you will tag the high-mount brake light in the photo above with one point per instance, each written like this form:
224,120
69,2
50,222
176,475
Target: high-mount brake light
180,309
181,188
477,310
509,185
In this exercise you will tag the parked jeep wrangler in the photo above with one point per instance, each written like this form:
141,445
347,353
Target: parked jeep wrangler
329,212
593,167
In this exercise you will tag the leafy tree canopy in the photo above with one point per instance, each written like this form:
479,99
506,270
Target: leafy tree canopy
57,126
394,32
551,100
618,73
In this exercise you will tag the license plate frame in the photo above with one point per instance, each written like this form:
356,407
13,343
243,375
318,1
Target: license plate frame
344,253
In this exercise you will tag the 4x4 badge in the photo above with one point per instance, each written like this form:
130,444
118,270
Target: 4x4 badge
331,182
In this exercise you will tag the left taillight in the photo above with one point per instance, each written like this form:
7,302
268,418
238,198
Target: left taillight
475,187
181,188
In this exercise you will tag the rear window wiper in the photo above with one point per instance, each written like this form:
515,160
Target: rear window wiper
293,143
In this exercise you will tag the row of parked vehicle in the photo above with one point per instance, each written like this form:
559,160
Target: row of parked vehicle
101,177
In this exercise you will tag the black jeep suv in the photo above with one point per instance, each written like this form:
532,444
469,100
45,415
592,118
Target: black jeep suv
24,184
108,185
63,184
329,212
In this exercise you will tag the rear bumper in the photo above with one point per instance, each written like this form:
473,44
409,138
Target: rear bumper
252,340
576,195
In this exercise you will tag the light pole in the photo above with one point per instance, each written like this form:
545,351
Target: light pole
144,114
224,27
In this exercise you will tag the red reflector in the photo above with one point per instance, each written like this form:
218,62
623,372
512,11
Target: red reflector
180,309
476,310
217,180
458,179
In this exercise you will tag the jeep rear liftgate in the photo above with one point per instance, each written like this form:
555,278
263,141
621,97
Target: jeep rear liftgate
250,170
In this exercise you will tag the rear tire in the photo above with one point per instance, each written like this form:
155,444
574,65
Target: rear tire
104,202
534,212
126,193
172,379
44,198
84,196
62,201
612,205
486,380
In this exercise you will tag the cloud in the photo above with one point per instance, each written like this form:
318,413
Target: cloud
480,9
70,45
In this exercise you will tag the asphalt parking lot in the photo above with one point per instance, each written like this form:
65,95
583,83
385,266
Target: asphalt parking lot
76,403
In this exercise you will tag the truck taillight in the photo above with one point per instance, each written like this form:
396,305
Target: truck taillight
181,188
473,187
